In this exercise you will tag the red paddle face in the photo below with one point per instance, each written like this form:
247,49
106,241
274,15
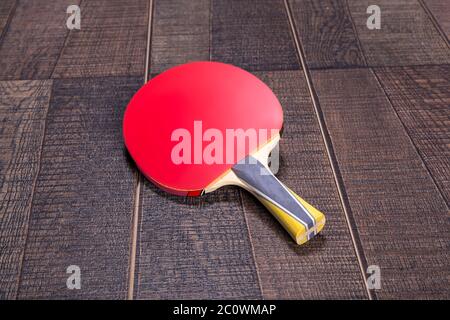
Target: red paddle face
185,127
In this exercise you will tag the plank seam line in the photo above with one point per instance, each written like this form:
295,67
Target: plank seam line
434,22
136,206
251,244
375,66
416,149
33,188
210,29
134,75
329,149
355,30
62,48
11,14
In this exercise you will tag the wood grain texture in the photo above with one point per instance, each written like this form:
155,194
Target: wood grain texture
181,33
401,219
83,200
6,11
31,45
407,35
252,34
111,42
23,107
193,248
421,97
326,33
327,266
441,12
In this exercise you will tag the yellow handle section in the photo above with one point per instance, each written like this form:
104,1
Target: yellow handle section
300,219
295,228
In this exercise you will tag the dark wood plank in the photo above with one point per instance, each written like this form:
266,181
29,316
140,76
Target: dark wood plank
326,267
83,201
111,42
6,12
32,43
407,35
401,218
180,33
326,33
252,34
23,107
441,12
421,97
194,248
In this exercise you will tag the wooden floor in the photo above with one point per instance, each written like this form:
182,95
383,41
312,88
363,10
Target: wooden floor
366,140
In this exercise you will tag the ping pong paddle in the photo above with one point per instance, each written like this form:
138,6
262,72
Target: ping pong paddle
203,125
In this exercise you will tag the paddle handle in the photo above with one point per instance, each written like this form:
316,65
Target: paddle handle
301,220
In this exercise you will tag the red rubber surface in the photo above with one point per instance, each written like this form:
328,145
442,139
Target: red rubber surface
220,95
